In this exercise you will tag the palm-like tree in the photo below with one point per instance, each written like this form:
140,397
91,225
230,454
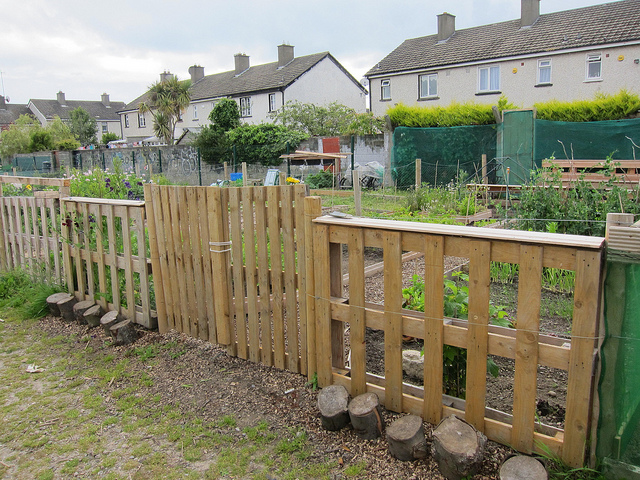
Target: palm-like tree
166,102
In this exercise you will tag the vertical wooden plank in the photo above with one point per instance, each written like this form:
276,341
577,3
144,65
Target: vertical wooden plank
232,345
37,248
323,306
277,287
205,234
182,303
293,358
357,312
335,289
264,288
14,220
124,214
77,250
86,233
527,332
139,219
170,279
195,238
20,263
96,212
586,302
238,271
300,191
251,274
113,257
312,209
157,250
478,333
66,245
184,234
392,256
28,243
6,255
433,327
54,209
46,252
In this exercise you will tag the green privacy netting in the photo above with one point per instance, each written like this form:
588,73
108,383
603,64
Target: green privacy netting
619,388
444,152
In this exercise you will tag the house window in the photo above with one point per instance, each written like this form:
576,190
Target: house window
594,66
544,72
195,112
385,90
489,79
105,127
428,85
272,102
126,120
245,106
142,122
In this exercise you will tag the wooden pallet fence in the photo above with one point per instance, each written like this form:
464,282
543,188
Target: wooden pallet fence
105,255
230,262
530,348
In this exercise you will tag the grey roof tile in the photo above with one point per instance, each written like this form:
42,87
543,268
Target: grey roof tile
51,108
10,113
583,27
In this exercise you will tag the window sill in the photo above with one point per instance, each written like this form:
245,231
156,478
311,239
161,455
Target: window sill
428,99
540,85
591,80
491,92
385,99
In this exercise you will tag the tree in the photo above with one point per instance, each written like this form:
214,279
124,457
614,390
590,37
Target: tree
83,126
213,141
225,115
41,141
63,137
109,137
18,137
166,102
264,143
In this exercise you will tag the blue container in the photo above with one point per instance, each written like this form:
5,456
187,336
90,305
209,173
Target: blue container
235,176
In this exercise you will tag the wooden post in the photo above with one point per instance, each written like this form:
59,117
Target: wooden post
357,192
485,179
418,172
226,171
312,209
282,178
244,174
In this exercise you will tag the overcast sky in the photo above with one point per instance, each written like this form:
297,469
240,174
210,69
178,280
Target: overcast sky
120,47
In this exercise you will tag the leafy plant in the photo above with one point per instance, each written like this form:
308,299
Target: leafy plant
264,143
83,126
603,107
321,179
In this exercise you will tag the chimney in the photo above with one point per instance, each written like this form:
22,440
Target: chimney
61,99
529,12
105,99
285,54
3,104
446,26
196,72
164,76
242,62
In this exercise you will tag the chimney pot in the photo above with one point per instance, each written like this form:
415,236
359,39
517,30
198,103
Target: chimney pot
446,26
196,72
529,12
241,62
61,99
285,55
164,76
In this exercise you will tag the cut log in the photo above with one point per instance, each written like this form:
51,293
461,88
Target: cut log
366,416
66,308
52,301
123,333
81,307
332,403
522,467
93,315
109,319
406,438
458,448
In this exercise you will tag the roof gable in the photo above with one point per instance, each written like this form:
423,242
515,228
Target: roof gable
583,27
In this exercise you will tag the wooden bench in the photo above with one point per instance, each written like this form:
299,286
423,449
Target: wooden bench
627,172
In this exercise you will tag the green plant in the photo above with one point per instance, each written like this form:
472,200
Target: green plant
321,179
313,382
602,107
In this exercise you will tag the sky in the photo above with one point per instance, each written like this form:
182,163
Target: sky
120,47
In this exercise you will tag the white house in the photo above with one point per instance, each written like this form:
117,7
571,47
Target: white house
318,78
567,55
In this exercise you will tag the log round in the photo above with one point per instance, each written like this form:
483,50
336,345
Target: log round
109,319
406,438
93,315
66,308
366,416
458,448
522,467
332,403
123,333
81,307
52,301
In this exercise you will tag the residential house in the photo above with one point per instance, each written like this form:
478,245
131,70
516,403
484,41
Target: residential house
9,113
259,90
567,55
104,111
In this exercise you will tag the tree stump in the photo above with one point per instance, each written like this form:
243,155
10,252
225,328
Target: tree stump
522,467
93,315
332,403
458,448
66,308
406,438
52,301
123,333
109,319
366,416
81,307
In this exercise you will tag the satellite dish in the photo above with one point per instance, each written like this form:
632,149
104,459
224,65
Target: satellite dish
7,99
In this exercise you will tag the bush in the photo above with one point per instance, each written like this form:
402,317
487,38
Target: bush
602,107
321,179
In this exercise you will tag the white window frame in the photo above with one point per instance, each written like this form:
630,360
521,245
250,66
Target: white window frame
544,64
385,89
142,121
593,58
490,88
428,93
105,127
126,120
195,112
245,106
272,102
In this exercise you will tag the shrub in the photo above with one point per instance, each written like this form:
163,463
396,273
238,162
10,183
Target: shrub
321,179
602,107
